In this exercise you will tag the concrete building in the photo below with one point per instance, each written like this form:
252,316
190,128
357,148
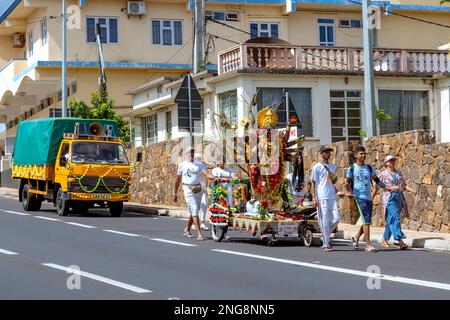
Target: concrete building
312,49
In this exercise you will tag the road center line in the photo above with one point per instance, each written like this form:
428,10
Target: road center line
18,213
81,225
423,283
174,242
46,218
123,233
7,252
98,278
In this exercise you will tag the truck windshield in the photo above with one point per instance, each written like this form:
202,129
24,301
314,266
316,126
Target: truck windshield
98,152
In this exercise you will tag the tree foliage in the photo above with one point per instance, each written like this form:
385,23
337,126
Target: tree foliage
101,108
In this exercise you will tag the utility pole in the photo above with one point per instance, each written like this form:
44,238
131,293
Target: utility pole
369,84
199,35
64,61
101,64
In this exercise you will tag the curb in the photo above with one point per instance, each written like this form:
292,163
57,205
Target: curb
421,243
134,207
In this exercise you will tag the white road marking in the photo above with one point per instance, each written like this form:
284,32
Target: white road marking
123,233
81,225
423,283
184,219
174,242
7,252
18,213
46,218
98,278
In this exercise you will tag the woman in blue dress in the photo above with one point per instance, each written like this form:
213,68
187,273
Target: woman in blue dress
393,202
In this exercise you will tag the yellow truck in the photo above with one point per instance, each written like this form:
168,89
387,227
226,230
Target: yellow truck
73,163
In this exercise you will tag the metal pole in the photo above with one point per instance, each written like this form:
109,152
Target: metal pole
199,32
190,111
287,107
64,61
369,85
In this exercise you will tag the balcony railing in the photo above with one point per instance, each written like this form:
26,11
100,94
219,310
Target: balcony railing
332,59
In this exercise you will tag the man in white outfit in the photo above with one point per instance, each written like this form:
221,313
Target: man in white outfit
204,201
324,194
221,173
189,174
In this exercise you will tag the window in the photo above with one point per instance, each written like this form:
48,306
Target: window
345,115
228,106
30,43
44,33
347,23
299,104
74,87
168,125
136,132
152,129
262,29
109,32
57,113
326,32
219,16
167,32
409,110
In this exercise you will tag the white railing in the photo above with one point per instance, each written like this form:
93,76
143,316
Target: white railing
332,59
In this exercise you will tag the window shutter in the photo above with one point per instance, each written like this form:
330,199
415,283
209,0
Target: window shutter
178,32
90,22
274,30
113,31
156,32
253,30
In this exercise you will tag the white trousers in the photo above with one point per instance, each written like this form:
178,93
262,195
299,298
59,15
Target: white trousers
193,200
328,214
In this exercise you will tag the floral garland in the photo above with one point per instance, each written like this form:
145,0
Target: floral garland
101,180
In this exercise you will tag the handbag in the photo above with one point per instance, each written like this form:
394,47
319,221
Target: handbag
332,175
196,188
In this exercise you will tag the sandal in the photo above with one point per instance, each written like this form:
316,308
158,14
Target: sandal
187,234
371,249
200,238
355,243
384,243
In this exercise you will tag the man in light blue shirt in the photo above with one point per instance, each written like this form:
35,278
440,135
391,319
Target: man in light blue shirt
359,185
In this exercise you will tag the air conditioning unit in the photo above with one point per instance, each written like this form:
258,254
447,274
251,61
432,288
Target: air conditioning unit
136,7
18,40
232,16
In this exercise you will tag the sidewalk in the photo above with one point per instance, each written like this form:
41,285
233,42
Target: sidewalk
425,240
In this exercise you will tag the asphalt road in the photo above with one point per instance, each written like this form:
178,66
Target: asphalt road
147,257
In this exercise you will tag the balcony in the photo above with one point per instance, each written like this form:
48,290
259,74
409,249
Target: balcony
331,60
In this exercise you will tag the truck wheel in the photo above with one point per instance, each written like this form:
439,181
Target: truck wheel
115,208
28,199
62,206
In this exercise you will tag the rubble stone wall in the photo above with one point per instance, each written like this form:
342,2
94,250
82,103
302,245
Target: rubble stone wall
425,165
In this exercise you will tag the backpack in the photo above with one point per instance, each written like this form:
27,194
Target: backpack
352,171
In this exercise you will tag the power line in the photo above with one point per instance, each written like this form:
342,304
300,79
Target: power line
229,26
406,16
222,38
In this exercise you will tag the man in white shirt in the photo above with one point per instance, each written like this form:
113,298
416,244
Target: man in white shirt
221,172
324,194
189,174
204,201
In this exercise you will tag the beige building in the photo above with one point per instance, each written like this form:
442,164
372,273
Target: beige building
317,58
148,45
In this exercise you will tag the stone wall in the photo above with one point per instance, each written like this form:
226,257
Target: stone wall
425,165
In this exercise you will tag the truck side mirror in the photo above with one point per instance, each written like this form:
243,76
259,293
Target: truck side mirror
139,157
62,161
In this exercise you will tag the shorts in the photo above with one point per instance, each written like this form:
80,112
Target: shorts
365,211
193,200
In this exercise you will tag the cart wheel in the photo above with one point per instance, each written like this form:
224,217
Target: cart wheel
307,238
218,232
271,241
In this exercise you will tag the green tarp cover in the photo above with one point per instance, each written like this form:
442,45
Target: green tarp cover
37,141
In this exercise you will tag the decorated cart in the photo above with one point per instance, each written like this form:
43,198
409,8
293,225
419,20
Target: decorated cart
262,204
